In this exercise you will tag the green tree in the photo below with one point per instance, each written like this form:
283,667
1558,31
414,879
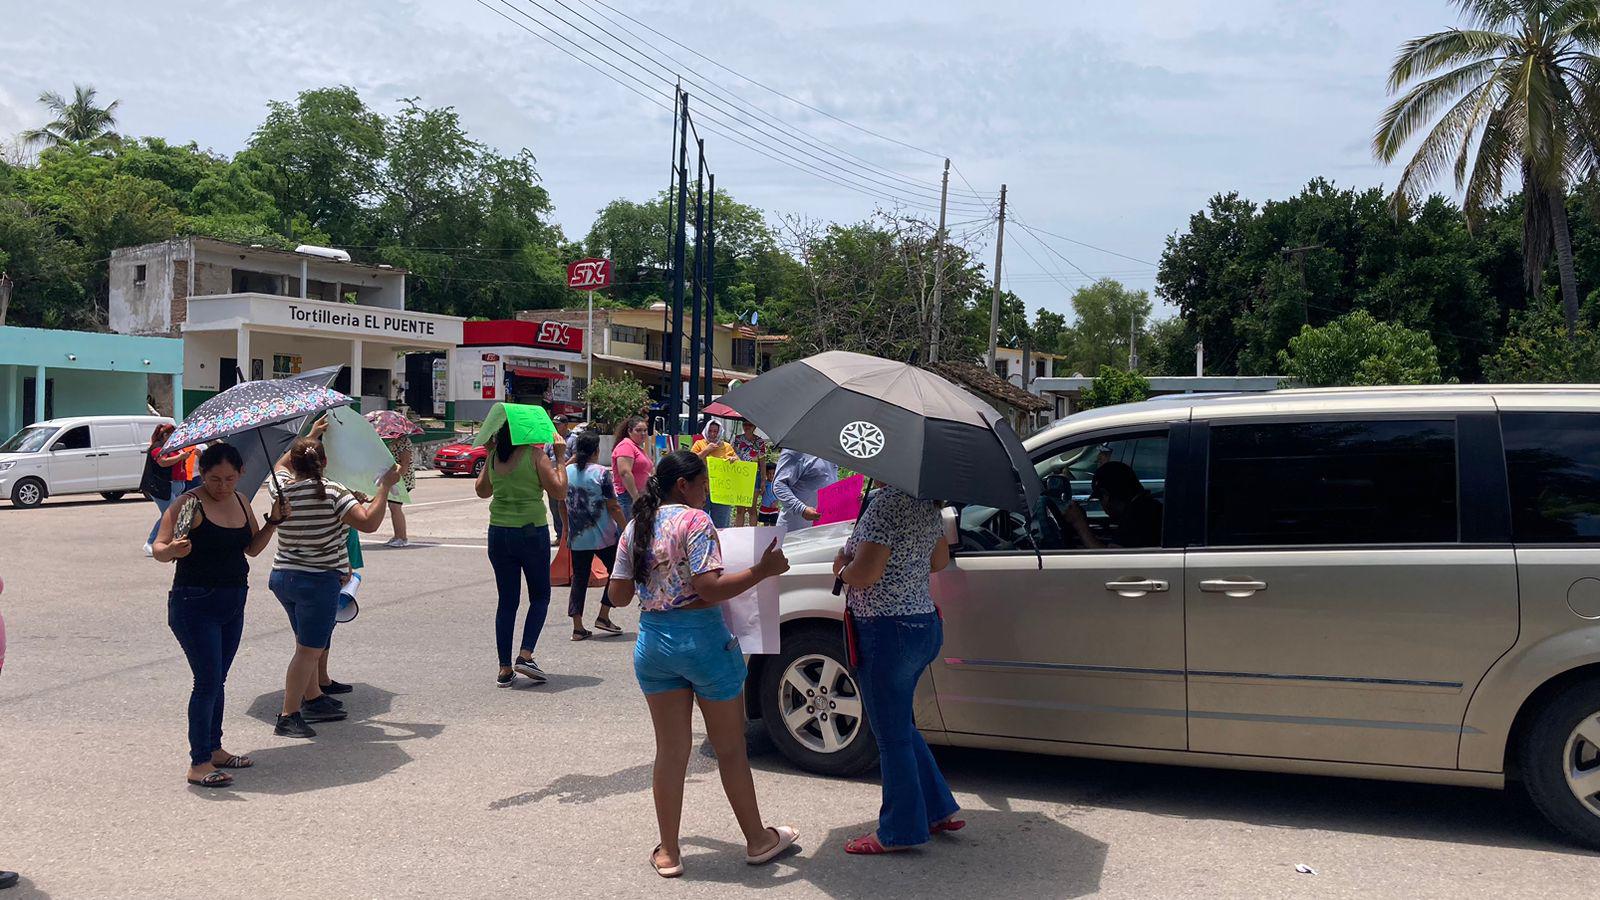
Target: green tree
1170,349
1106,314
323,152
1112,386
1540,350
1511,96
1357,349
613,399
76,120
1049,331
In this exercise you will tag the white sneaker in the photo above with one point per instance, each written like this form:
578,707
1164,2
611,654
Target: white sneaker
397,543
149,550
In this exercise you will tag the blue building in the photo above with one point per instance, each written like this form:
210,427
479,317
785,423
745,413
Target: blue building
49,374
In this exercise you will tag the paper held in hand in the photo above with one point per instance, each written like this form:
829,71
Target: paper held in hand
840,501
357,457
733,483
752,616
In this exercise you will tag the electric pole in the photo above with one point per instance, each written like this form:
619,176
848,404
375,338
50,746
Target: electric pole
994,300
699,287
938,270
674,350
1133,341
709,264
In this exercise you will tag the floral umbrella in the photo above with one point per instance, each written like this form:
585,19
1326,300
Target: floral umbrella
391,424
252,404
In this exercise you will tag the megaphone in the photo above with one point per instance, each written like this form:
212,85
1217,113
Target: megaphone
348,607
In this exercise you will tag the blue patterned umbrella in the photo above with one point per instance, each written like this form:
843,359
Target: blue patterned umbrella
252,404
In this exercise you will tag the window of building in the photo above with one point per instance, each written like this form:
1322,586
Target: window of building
1553,465
1038,368
1001,366
627,334
138,273
284,365
1347,482
247,282
744,354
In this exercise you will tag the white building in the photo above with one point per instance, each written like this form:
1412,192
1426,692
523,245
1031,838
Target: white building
1010,364
267,313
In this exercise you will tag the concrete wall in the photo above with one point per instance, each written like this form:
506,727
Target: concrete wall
73,392
146,307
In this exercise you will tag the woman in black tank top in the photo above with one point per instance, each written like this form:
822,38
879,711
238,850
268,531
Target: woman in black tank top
205,608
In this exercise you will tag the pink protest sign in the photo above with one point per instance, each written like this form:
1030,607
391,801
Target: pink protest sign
840,501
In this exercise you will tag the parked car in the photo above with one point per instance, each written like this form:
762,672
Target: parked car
81,455
1396,583
460,458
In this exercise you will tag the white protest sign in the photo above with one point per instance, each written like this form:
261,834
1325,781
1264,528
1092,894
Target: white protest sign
357,457
752,616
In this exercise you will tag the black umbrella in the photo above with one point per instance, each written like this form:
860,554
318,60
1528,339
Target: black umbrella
893,423
261,447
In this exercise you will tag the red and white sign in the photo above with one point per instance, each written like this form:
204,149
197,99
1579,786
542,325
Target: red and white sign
589,274
559,336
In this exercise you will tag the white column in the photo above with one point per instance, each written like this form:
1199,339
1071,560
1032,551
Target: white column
450,381
242,353
304,269
40,380
355,370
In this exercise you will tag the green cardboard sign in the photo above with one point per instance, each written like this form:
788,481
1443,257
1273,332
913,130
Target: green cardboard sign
529,424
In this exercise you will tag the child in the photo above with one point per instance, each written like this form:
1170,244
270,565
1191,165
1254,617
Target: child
769,500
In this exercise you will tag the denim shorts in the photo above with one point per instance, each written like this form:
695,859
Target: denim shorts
312,601
688,649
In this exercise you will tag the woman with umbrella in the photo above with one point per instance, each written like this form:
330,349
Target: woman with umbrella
910,428
396,431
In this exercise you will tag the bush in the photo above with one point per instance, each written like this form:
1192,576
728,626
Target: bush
1538,350
613,399
1357,349
1112,386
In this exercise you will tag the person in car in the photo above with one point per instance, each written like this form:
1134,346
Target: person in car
1135,513
887,562
671,558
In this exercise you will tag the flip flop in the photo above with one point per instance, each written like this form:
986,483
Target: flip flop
213,779
583,634
235,762
868,845
948,825
607,625
787,835
665,871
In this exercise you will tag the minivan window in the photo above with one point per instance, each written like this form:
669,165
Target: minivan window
29,440
1553,466
74,439
1382,481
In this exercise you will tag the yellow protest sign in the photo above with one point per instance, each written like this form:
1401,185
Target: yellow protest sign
733,483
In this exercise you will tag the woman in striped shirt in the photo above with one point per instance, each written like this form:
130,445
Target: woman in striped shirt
309,568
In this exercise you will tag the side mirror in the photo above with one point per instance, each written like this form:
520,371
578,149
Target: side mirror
58,445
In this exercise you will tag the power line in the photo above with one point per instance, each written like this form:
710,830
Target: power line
1091,246
1058,254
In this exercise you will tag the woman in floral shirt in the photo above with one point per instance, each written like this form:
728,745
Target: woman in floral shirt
671,558
751,447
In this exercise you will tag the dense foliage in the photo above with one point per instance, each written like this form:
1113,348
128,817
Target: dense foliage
613,399
1112,386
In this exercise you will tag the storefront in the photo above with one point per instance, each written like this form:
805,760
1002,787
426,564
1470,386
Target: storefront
283,336
520,362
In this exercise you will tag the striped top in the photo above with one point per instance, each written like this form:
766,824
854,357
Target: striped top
312,539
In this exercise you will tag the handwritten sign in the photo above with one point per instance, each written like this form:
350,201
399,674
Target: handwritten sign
589,274
733,483
840,501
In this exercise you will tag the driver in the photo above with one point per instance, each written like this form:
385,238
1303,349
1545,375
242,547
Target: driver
1135,513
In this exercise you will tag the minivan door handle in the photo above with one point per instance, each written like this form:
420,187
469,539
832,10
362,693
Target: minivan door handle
1137,588
1232,588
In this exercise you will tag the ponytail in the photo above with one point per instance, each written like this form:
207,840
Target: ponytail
584,448
307,459
503,448
674,467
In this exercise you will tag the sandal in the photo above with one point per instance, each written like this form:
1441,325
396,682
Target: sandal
947,825
579,634
235,762
608,625
214,779
665,871
868,845
787,835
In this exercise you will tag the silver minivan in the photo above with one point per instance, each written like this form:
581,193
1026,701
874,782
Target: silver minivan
1394,583
80,455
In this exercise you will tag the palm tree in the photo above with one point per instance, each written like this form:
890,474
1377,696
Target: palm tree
75,120
1514,93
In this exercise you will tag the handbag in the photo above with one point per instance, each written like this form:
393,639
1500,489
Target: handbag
561,568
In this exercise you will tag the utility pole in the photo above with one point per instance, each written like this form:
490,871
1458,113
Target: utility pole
1133,341
699,286
938,270
994,299
666,312
675,338
710,266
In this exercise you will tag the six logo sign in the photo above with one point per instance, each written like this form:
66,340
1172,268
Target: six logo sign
589,274
863,440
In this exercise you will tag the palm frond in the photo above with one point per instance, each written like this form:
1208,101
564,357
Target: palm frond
1454,130
1492,13
1419,104
1432,52
1499,153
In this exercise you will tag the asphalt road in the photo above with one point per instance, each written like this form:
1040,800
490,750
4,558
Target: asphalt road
441,785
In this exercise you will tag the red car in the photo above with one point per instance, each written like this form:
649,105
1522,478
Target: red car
460,459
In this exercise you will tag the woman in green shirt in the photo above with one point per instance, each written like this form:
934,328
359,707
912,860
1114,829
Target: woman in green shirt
515,482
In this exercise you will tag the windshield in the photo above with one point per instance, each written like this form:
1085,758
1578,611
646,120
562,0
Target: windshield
28,440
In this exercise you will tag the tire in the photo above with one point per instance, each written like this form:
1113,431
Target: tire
477,467
816,656
1564,739
28,493
113,496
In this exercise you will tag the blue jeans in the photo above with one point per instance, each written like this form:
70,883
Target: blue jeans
625,500
207,623
721,514
516,554
311,600
894,651
161,505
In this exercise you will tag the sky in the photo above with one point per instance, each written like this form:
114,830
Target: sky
1109,123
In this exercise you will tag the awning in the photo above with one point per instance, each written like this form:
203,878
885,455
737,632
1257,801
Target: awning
535,372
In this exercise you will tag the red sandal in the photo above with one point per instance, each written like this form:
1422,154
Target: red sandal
868,845
948,825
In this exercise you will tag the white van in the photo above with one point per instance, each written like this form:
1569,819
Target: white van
81,455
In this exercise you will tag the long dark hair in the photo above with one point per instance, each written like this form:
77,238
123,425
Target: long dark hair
217,453
584,448
160,435
627,426
503,447
673,467
307,459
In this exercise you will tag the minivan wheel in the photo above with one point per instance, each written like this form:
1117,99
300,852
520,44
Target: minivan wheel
113,496
812,707
1560,761
28,493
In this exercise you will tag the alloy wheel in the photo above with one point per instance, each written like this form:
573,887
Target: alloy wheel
820,704
29,494
1580,762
